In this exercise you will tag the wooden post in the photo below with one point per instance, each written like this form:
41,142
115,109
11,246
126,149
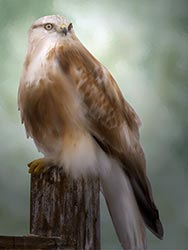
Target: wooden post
32,243
66,208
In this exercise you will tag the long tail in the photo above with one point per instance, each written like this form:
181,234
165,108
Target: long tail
143,194
123,207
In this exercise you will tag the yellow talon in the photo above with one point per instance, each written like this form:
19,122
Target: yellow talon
37,166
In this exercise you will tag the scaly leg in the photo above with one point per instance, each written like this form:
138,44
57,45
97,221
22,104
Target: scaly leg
38,166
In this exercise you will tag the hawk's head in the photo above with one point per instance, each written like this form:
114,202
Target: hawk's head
51,27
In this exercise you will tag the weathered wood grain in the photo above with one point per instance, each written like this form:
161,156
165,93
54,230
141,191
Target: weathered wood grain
32,242
66,208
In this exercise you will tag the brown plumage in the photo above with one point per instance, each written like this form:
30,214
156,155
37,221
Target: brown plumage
107,113
72,107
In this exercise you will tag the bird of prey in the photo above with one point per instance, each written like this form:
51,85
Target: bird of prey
78,118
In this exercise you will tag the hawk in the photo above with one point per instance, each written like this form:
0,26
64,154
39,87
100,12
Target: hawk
78,118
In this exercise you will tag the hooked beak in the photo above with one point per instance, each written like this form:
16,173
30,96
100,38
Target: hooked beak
63,29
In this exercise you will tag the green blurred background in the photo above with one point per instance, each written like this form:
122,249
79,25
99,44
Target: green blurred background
145,46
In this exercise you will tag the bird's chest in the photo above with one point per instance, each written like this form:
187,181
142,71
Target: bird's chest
42,114
49,106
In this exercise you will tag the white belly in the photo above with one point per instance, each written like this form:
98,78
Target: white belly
79,155
76,153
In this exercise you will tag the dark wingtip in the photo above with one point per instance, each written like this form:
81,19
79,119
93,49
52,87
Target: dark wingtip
159,231
143,194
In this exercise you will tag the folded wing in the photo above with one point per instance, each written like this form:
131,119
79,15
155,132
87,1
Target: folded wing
115,126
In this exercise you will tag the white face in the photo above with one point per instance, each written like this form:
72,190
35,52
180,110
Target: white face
51,27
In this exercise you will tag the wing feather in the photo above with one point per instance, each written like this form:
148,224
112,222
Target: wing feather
113,123
107,109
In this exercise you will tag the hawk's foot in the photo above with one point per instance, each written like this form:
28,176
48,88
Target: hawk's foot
38,166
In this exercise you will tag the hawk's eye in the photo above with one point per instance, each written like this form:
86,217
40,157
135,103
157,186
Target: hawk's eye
70,26
48,26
